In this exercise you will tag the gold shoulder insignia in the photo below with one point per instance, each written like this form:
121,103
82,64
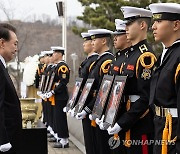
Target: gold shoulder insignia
146,71
143,48
177,72
90,67
105,66
63,69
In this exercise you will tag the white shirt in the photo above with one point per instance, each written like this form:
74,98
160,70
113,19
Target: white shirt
165,50
3,61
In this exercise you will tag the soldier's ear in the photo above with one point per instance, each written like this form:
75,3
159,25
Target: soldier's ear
176,25
2,43
104,41
143,25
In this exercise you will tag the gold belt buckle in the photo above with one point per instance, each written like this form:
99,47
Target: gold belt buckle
158,111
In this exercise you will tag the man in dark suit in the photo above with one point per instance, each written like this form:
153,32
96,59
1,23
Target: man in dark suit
10,111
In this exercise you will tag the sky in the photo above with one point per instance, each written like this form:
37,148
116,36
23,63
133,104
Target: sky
23,9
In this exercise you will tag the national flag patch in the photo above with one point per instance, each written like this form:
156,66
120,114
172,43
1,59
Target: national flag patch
116,68
130,67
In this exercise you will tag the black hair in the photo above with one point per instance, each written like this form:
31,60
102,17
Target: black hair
4,31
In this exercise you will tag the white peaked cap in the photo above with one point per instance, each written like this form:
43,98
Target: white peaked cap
130,12
165,7
120,27
57,48
165,11
42,53
85,35
48,52
120,24
99,31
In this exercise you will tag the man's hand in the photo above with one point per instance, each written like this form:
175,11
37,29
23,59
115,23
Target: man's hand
5,147
49,94
81,115
72,112
114,130
65,109
91,117
43,96
39,93
98,122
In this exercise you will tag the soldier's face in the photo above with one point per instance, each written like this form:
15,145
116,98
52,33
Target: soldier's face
41,60
56,56
87,46
132,30
97,44
163,30
9,48
120,41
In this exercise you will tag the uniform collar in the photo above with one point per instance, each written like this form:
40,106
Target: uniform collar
176,42
106,52
140,46
60,61
94,54
3,61
122,52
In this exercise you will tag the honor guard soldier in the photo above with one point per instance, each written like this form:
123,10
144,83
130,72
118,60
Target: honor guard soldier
42,82
47,114
100,42
137,120
40,69
84,70
47,88
165,85
122,45
59,97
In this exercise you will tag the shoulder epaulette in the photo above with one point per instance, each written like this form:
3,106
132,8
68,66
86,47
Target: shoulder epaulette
177,72
141,61
105,66
63,69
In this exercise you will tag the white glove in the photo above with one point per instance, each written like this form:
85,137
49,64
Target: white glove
91,117
102,126
49,94
114,130
99,121
65,109
39,93
5,147
69,111
43,96
72,112
81,115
